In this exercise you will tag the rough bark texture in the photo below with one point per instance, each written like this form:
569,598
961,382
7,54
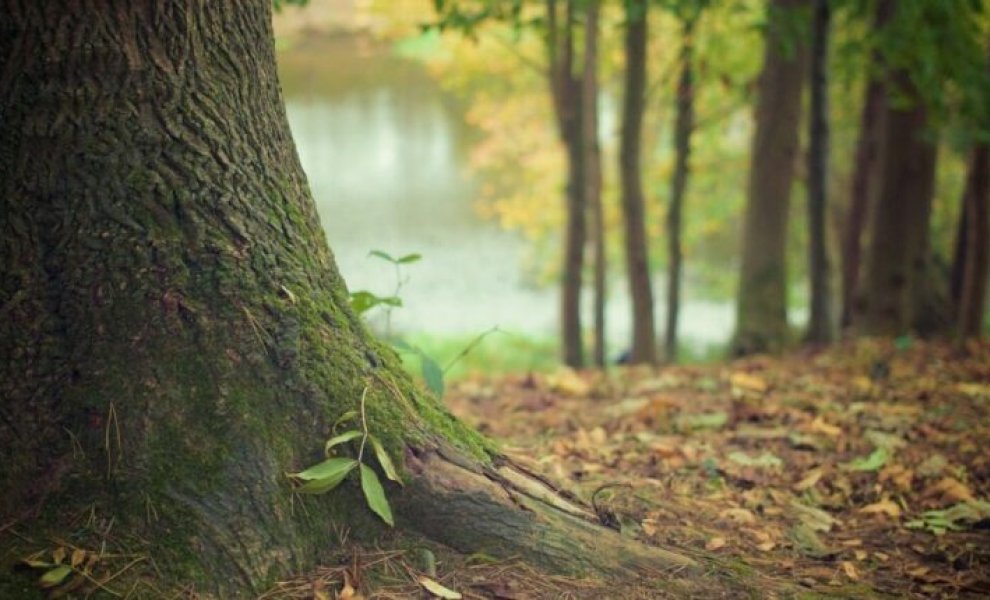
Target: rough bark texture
683,126
761,313
897,290
866,175
643,348
174,335
821,328
972,256
566,91
593,174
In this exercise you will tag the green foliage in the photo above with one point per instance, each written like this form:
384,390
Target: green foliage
959,517
327,475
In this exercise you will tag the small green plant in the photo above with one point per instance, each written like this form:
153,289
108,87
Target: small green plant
327,475
362,300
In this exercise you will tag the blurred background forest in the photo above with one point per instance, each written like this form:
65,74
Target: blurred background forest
570,170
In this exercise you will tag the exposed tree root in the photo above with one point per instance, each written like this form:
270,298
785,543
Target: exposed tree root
507,512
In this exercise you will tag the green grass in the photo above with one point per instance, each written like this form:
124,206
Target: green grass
501,353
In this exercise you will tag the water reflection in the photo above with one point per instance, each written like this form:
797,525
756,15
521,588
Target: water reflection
385,152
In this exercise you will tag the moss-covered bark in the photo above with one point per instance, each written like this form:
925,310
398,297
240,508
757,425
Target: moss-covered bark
174,335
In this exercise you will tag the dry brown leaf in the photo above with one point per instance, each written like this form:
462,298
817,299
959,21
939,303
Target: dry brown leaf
949,489
809,480
78,556
715,543
738,515
884,507
320,590
649,526
820,426
58,555
745,382
850,570
860,555
438,590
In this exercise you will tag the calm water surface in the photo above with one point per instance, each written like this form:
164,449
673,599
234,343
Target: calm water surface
385,151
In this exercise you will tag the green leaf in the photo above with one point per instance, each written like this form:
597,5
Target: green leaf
873,462
384,460
432,374
765,460
410,258
341,439
321,485
331,467
347,416
55,576
383,255
375,494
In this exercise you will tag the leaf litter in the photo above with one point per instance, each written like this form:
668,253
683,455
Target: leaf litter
867,464
861,471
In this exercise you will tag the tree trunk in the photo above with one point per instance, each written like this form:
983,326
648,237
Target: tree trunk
821,329
761,312
593,173
174,335
637,252
897,287
972,257
865,176
566,91
684,125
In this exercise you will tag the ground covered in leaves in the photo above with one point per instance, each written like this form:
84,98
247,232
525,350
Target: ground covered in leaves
863,469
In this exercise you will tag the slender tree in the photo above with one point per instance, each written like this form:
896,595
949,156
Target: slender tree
175,337
972,256
683,127
821,328
565,88
593,173
761,312
897,280
866,169
643,348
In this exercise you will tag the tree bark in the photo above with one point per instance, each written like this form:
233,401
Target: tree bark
643,348
866,175
593,174
174,334
897,289
683,127
761,312
821,328
972,256
566,92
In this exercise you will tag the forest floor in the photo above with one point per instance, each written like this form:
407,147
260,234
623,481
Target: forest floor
861,471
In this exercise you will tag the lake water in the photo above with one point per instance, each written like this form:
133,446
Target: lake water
385,150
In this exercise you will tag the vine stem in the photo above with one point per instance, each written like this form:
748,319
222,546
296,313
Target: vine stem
364,424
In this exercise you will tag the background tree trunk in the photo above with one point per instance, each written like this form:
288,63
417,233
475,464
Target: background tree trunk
866,173
174,335
566,91
683,127
637,252
972,256
821,328
593,174
897,280
761,312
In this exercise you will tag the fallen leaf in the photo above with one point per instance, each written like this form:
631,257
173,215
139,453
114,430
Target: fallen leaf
715,543
948,488
820,426
438,590
850,570
885,507
744,382
738,515
809,480
765,460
